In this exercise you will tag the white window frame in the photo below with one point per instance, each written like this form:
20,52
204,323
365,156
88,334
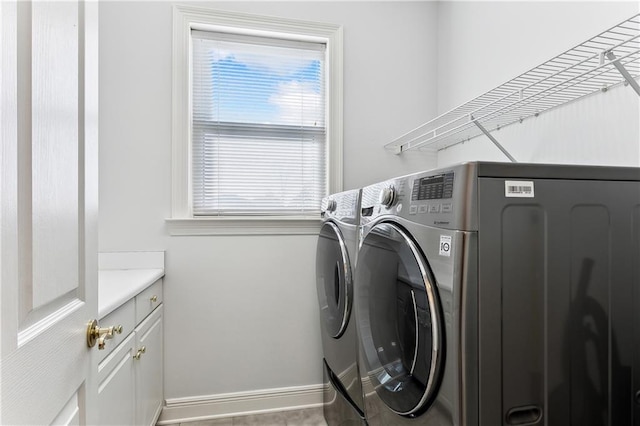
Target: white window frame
186,18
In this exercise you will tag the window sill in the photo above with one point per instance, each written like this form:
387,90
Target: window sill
243,226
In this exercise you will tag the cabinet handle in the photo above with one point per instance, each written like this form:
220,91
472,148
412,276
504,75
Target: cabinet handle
154,298
140,352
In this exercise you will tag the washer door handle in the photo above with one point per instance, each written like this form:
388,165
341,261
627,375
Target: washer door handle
338,278
417,337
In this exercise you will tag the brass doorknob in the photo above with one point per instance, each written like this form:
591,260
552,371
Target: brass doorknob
154,298
97,334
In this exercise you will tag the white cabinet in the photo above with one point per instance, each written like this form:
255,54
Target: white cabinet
130,373
148,369
116,385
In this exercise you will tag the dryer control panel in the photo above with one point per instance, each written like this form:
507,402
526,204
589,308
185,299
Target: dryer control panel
342,207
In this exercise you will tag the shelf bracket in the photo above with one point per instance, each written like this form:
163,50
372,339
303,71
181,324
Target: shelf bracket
622,70
494,140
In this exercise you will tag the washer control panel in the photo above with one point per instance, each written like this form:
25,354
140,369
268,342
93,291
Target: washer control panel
432,194
433,187
388,196
445,198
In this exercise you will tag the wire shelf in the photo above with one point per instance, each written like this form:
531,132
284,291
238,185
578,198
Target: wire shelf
608,59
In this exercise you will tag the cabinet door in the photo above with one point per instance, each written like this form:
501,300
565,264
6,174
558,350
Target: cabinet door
148,370
116,404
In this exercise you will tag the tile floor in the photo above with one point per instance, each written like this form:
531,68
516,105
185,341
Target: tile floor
306,417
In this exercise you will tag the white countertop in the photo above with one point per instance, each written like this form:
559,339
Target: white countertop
116,286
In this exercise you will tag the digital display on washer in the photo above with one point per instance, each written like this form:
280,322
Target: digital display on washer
433,187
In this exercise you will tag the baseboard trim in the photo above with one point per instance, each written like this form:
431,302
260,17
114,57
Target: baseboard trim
206,407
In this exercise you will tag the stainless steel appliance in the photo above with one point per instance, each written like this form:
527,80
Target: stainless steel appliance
501,294
335,265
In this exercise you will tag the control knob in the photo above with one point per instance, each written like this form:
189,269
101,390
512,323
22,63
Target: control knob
332,205
388,196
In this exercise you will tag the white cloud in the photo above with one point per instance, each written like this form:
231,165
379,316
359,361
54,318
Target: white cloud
298,103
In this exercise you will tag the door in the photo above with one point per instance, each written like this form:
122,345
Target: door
333,276
399,320
48,215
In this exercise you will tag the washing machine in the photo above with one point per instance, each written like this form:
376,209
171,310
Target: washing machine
335,266
501,294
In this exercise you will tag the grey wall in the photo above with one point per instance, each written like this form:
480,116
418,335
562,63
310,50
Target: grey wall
484,44
240,312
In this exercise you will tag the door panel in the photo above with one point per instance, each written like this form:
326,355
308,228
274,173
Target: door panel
333,276
70,413
48,254
522,304
55,142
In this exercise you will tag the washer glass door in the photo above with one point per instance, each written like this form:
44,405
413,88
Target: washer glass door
398,320
333,280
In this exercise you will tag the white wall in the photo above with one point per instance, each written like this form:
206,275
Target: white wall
484,44
240,312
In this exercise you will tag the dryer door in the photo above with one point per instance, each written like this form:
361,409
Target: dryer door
333,280
399,320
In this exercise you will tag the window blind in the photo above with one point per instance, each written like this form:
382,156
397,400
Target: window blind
258,136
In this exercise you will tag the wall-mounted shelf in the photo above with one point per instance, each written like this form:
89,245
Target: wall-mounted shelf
606,60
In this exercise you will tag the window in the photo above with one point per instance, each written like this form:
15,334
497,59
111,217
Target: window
256,124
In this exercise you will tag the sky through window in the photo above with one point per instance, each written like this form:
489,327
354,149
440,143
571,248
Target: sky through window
277,85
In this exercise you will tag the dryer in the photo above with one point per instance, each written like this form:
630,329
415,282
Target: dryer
501,294
335,266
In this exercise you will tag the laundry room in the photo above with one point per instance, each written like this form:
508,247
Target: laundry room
227,292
